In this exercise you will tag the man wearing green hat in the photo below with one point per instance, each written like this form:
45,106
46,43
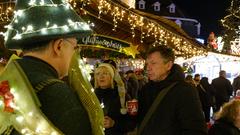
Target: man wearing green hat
47,31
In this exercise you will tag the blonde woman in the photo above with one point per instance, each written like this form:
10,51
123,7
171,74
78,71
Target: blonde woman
227,119
110,91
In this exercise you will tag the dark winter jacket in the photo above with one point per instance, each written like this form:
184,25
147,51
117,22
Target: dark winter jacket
179,113
59,102
223,89
132,87
236,84
222,127
111,100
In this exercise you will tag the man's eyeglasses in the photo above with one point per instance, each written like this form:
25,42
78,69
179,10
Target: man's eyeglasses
76,46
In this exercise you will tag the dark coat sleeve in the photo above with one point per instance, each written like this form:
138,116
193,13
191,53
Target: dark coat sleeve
123,122
223,128
216,131
229,88
64,109
189,112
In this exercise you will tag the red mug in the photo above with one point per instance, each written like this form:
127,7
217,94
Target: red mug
132,107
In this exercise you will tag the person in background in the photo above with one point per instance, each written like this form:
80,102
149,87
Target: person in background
236,84
132,84
237,96
227,120
189,79
110,91
197,79
206,93
223,89
180,112
142,79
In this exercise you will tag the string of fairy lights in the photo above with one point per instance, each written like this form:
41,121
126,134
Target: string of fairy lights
6,10
234,13
148,27
231,23
28,29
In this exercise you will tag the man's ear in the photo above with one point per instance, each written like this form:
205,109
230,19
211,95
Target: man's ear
169,65
57,46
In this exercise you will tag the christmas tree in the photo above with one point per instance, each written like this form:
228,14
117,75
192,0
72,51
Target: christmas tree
231,23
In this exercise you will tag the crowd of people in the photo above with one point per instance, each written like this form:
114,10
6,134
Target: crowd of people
166,103
219,102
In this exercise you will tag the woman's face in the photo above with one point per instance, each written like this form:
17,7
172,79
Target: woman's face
103,78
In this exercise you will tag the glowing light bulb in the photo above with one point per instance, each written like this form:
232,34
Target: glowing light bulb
65,27
42,2
102,105
30,113
1,103
24,130
32,2
47,23
17,37
19,13
54,26
29,28
53,133
20,119
39,129
86,27
44,30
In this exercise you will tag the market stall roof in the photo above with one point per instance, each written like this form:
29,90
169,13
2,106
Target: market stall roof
116,19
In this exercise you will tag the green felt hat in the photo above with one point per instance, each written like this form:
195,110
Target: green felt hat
43,20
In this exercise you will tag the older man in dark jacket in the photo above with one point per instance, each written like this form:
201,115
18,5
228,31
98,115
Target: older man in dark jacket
223,88
179,112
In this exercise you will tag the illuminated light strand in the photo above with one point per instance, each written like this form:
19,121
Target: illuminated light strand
30,29
21,117
159,33
6,10
153,31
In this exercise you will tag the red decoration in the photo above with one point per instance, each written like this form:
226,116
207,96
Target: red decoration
212,41
209,125
7,96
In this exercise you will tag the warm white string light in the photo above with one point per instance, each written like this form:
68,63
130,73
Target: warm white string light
147,26
30,29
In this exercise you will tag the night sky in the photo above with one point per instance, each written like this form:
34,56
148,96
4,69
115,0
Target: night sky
207,12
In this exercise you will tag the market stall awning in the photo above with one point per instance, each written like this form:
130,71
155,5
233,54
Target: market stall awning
141,30
115,19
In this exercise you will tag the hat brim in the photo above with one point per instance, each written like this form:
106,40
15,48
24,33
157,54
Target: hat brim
47,23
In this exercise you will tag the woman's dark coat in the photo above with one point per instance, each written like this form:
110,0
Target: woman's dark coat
111,100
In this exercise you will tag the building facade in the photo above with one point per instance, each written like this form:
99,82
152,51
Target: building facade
170,10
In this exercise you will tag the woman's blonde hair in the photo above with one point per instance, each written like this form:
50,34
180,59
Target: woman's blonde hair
229,110
111,71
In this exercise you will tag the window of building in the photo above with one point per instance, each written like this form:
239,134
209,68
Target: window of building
156,6
172,8
141,4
